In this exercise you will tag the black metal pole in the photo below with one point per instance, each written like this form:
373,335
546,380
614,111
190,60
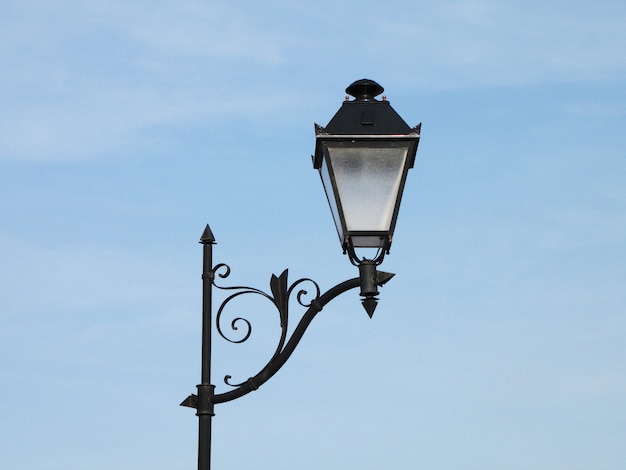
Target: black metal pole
204,406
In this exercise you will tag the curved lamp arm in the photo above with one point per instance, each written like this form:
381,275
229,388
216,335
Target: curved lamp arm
281,356
285,347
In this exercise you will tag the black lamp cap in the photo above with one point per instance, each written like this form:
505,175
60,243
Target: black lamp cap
364,90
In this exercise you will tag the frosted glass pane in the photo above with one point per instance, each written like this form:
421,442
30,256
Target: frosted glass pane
328,188
368,180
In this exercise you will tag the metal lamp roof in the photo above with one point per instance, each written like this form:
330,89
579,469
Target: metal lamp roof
365,114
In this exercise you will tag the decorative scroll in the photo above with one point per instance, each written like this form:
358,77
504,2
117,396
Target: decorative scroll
280,294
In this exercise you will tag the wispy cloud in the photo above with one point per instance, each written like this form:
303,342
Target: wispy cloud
83,78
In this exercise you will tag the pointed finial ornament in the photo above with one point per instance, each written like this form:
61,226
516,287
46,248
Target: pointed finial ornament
207,236
191,401
383,278
369,304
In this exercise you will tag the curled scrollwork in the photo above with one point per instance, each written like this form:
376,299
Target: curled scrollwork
234,327
280,295
303,292
222,275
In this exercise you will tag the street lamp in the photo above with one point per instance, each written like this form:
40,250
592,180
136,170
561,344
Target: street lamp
363,156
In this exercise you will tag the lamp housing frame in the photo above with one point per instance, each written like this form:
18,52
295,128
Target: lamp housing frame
364,123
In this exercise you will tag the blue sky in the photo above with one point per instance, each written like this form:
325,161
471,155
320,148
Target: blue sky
125,127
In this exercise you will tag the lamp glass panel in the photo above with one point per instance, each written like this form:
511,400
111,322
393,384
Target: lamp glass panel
367,176
332,199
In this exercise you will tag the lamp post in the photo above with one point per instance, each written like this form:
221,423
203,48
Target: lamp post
363,157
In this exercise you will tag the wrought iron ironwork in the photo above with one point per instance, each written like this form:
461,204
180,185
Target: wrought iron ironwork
308,295
280,297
